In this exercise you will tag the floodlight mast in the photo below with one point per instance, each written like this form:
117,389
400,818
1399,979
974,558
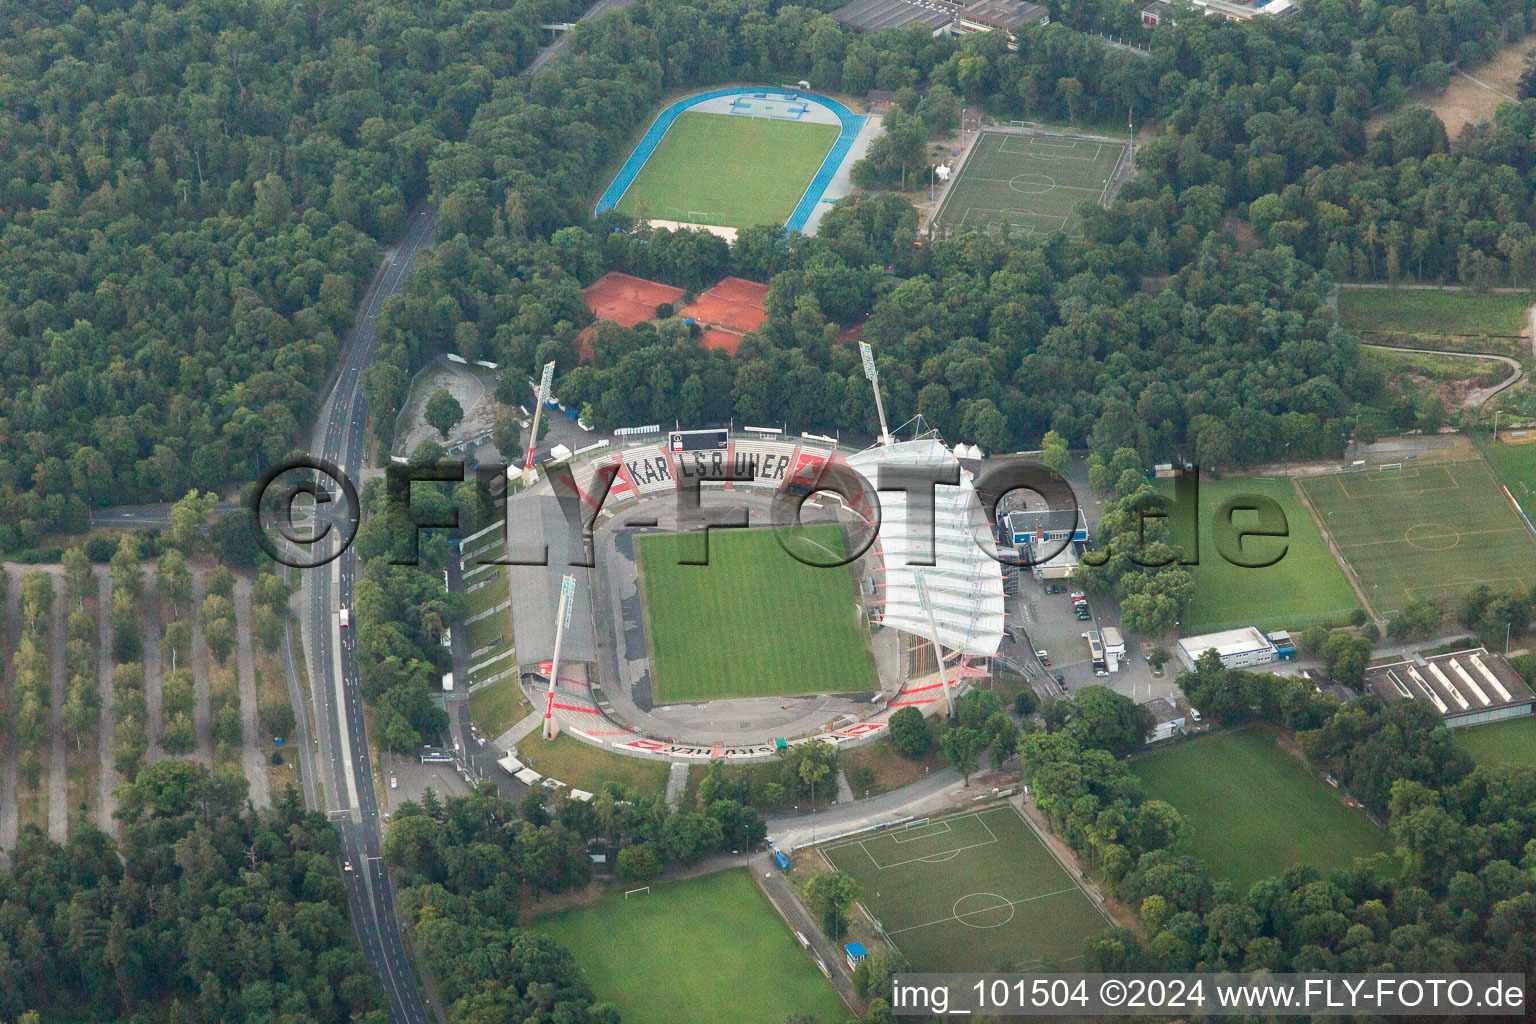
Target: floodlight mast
545,383
868,355
933,635
562,619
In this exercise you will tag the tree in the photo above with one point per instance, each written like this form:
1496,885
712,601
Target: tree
174,579
188,517
830,894
909,733
443,411
1110,721
77,576
1055,712
962,747
507,436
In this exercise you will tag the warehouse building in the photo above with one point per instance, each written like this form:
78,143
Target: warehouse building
1468,687
1237,648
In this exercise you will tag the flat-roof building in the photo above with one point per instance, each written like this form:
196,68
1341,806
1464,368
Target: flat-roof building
1237,648
1468,687
1168,720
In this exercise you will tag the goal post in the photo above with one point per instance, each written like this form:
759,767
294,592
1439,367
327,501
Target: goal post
1390,465
644,890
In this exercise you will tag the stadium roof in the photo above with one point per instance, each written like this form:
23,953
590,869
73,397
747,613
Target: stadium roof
1468,682
965,584
537,519
873,15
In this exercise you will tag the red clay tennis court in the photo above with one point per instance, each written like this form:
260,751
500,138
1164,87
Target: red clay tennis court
733,305
626,300
723,313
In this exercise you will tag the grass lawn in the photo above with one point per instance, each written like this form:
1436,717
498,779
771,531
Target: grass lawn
1306,587
1432,311
1254,810
698,952
583,766
498,707
1427,530
1516,466
1501,743
970,892
730,170
490,595
754,622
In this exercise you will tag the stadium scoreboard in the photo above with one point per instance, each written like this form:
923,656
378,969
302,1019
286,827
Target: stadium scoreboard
698,440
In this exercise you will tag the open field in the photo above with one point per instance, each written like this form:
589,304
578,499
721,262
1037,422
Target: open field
583,766
972,892
1433,311
697,952
754,622
1436,369
1253,809
1032,182
729,170
498,706
1516,465
1425,531
1306,587
1510,742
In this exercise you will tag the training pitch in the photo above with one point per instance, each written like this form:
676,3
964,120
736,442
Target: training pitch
1427,530
1253,809
1501,743
698,952
1031,181
754,622
973,892
729,170
1305,588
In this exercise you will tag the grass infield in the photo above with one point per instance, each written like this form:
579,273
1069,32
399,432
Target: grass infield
697,952
1305,588
1428,530
1501,743
1033,182
972,892
729,170
754,622
1253,809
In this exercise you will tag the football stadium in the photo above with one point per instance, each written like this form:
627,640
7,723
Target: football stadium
670,635
731,158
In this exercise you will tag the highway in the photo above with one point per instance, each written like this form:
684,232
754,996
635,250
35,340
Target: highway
345,772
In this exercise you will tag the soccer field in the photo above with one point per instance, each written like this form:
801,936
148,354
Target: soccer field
1253,809
754,622
1031,181
730,170
1516,464
1305,588
697,952
1501,743
1427,530
973,892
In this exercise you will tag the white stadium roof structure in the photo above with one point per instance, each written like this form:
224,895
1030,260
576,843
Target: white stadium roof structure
964,584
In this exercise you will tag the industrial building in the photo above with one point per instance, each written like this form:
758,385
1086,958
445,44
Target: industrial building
1237,648
1468,687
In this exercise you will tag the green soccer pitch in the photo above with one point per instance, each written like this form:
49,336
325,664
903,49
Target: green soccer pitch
728,169
754,622
972,892
1254,810
1031,181
697,952
1305,588
1427,530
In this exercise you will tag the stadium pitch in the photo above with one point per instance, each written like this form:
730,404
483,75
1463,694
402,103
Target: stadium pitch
1254,810
729,170
754,622
1427,530
973,892
1033,182
697,952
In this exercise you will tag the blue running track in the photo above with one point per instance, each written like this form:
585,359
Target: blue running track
850,122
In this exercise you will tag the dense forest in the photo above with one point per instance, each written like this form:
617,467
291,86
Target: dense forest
203,911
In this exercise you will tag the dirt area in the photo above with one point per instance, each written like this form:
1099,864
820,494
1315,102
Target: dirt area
473,386
1472,95
887,769
591,894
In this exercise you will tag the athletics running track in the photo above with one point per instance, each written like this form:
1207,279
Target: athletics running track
850,122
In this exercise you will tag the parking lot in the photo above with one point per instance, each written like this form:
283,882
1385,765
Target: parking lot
1050,624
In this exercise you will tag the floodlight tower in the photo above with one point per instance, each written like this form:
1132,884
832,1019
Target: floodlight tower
545,382
562,619
933,635
868,355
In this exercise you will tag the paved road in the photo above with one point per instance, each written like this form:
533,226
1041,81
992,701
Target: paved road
1476,397
791,831
156,515
477,759
558,47
106,776
250,727
344,766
